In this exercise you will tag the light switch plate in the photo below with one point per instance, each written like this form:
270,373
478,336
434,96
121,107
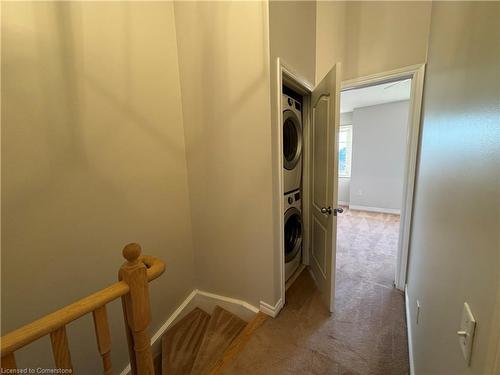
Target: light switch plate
466,332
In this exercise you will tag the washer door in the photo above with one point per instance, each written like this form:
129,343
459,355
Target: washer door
292,139
293,233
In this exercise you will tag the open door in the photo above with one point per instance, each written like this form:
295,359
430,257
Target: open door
325,100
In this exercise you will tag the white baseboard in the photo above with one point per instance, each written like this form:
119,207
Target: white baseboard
206,301
271,310
408,328
173,317
395,211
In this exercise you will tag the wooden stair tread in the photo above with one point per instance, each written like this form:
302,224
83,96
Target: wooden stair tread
239,343
157,364
181,343
222,329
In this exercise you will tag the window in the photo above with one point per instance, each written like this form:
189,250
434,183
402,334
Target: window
345,151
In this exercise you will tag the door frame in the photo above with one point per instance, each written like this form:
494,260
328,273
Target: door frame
286,75
493,349
416,73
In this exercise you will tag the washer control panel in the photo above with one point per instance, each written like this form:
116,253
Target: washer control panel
292,199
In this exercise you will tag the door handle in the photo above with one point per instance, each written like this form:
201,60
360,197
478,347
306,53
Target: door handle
326,211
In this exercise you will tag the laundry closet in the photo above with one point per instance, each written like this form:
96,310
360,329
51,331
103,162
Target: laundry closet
309,122
293,232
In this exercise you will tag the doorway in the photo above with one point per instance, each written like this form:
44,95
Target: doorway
374,123
378,139
314,114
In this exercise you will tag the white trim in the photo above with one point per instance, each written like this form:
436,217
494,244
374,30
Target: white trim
285,73
343,203
416,74
408,330
127,370
234,301
493,356
172,317
191,298
270,310
306,190
278,147
395,211
495,362
370,80
166,325
417,86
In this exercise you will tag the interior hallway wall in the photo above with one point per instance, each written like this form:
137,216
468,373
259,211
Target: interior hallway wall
371,36
379,135
93,157
331,29
292,35
224,69
454,249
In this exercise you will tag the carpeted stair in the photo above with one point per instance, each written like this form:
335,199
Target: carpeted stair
197,343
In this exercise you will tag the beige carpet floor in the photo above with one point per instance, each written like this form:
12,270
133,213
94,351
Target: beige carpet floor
366,334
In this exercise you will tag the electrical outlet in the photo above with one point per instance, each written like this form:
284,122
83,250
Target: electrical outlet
466,332
417,318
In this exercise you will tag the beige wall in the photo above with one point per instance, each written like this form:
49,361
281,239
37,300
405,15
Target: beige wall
224,68
455,243
371,36
330,35
95,142
292,35
92,158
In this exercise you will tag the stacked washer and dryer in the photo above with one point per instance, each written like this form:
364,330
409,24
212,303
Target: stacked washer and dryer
292,180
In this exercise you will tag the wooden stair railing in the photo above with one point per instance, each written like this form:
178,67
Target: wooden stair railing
132,287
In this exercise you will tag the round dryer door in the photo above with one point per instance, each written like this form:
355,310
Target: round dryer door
292,139
293,233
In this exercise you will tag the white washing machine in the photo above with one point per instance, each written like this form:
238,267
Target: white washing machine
292,143
293,232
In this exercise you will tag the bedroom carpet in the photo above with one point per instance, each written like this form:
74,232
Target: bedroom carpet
366,334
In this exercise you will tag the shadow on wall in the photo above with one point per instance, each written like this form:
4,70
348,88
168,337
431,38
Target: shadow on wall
225,83
92,157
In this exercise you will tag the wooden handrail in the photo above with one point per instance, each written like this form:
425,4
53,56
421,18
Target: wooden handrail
21,337
154,266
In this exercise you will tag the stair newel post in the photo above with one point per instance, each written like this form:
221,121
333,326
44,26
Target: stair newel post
137,309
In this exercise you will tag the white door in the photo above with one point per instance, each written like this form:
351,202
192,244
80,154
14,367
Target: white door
324,176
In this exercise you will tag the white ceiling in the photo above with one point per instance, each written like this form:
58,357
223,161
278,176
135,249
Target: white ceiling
367,96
